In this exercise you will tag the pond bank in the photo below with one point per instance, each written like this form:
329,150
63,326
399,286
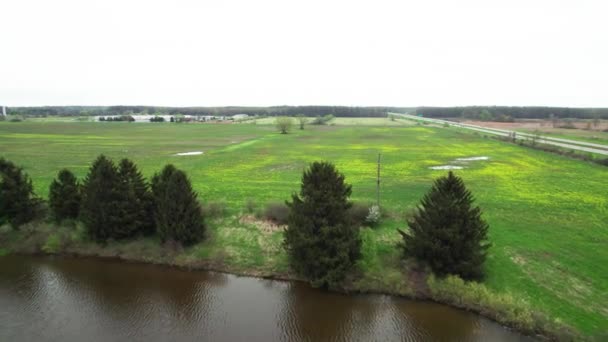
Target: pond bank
42,239
65,299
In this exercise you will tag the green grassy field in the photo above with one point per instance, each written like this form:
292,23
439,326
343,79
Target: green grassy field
548,214
57,119
342,122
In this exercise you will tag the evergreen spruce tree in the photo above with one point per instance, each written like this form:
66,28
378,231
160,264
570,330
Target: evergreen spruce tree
447,232
159,188
17,200
102,201
321,242
64,196
159,180
178,213
139,205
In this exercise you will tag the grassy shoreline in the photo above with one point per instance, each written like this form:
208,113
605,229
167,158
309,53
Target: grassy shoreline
48,239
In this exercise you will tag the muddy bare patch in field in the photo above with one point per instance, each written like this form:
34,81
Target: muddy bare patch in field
518,259
280,167
265,226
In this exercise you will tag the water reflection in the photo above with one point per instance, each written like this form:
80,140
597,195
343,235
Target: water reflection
309,314
57,299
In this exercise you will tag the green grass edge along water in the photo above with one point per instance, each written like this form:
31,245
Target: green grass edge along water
545,272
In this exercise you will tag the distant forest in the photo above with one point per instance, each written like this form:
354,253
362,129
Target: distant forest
494,113
338,111
504,113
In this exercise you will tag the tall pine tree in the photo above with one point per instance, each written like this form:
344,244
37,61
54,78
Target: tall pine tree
159,188
447,232
139,205
177,212
64,196
321,243
18,203
102,200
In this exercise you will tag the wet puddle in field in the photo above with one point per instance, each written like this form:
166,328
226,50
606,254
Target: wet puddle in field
446,167
462,162
472,159
193,153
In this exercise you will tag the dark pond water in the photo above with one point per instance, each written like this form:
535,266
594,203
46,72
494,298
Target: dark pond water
61,299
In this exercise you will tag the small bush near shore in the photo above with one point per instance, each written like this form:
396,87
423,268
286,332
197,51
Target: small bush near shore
373,216
277,213
357,214
52,244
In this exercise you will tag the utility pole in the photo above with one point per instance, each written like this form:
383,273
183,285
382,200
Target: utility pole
378,184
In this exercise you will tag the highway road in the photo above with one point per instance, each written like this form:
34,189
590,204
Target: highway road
576,145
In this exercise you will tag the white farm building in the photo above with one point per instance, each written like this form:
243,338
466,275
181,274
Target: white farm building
237,117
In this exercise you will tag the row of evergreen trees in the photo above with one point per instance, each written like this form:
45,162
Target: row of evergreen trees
113,202
323,244
447,232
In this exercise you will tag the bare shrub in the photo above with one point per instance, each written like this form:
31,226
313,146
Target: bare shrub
358,213
276,212
284,124
373,216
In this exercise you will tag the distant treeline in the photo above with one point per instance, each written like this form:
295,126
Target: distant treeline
312,111
503,113
493,113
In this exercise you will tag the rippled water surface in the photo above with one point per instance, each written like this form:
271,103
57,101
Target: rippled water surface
60,299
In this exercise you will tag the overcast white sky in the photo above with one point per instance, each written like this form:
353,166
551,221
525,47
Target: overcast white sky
273,52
